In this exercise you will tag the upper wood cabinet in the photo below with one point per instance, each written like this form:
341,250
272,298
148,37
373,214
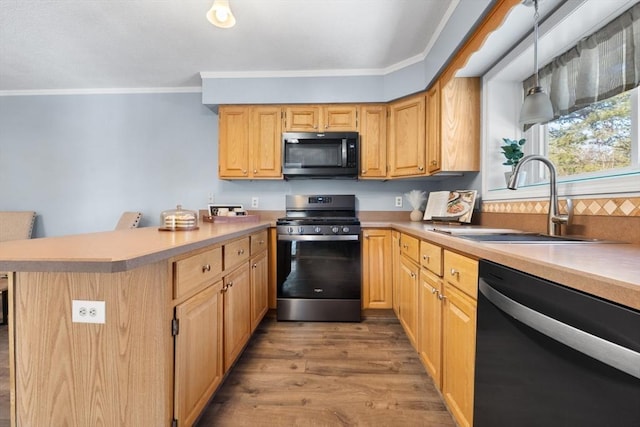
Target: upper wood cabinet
250,143
373,141
460,125
407,137
434,147
321,118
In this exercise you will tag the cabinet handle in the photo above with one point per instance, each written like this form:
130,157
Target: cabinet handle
421,168
455,273
224,289
255,171
254,266
364,171
433,162
230,284
434,290
240,251
261,242
426,258
413,275
206,268
244,171
441,297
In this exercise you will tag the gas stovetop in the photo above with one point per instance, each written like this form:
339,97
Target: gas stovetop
319,215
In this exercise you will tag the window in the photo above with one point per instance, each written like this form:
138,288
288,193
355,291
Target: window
593,141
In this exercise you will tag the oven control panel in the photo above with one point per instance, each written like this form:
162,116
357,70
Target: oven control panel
351,229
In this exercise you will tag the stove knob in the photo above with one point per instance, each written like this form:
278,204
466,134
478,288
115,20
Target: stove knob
317,229
300,230
345,229
335,229
289,230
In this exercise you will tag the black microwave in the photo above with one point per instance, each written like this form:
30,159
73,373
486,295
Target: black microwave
320,155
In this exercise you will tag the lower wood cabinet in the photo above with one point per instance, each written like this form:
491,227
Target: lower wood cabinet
198,352
237,319
409,272
430,325
395,267
376,268
259,288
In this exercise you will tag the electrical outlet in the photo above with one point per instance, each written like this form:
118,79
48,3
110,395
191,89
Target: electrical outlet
398,201
87,311
254,202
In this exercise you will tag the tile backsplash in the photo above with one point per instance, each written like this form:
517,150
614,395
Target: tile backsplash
623,206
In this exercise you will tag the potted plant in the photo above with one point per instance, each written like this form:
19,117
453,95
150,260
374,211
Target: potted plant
512,151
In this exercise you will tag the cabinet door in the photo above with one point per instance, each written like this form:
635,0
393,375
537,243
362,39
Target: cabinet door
460,124
233,142
339,118
434,148
259,288
198,353
376,269
459,344
409,298
373,141
237,317
395,260
265,142
302,118
406,137
430,325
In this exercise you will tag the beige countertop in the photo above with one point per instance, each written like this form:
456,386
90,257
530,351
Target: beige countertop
610,271
607,270
114,251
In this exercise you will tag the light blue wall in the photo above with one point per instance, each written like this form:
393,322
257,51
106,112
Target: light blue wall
81,160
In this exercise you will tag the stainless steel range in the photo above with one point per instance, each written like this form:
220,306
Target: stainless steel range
318,254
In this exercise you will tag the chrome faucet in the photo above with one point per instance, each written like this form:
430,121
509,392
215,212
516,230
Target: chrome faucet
554,219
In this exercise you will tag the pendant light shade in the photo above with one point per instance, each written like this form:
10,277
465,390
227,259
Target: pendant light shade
220,14
536,107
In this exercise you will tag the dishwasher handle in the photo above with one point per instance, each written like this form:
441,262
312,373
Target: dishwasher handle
609,353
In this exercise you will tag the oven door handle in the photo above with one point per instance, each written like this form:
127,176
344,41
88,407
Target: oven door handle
320,238
607,352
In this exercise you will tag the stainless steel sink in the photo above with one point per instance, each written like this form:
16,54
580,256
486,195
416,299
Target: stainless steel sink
508,235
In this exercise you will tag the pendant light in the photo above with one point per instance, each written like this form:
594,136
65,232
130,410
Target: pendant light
220,14
536,107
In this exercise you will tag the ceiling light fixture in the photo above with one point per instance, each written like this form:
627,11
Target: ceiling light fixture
220,14
536,107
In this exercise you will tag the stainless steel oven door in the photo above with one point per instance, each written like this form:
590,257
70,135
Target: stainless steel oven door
319,277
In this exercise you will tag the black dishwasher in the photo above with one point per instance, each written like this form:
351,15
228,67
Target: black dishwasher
548,355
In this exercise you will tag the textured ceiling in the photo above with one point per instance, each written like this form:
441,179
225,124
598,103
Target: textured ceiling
82,44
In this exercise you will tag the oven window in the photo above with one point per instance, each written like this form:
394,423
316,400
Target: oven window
314,155
319,269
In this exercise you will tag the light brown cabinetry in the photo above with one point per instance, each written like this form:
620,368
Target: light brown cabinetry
395,271
460,125
430,324
434,147
250,142
198,352
459,335
196,271
407,137
373,141
376,269
237,318
409,286
259,278
321,118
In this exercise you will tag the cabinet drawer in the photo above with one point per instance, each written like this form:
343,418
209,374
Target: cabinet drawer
410,246
258,242
201,269
236,252
461,272
431,257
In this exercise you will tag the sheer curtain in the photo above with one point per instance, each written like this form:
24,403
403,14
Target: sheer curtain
599,66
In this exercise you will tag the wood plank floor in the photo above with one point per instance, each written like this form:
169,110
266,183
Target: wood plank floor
328,374
315,374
